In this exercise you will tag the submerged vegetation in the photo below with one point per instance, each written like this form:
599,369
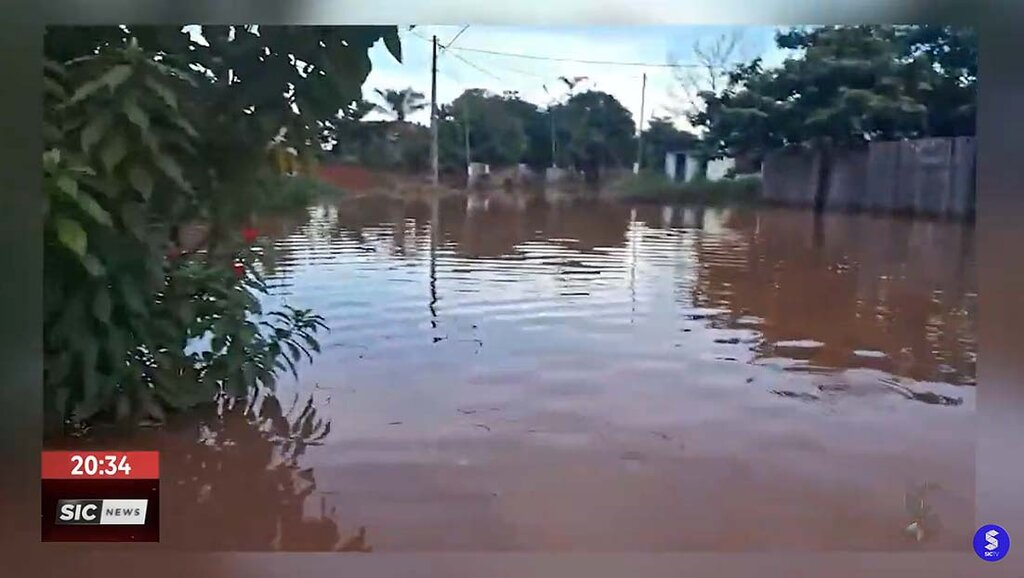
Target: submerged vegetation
277,193
149,129
650,186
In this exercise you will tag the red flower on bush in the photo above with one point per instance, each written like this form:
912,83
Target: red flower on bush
250,234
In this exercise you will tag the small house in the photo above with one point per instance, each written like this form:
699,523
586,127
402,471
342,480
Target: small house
682,166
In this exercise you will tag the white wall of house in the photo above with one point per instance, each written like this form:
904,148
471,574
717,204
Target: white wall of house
670,165
718,168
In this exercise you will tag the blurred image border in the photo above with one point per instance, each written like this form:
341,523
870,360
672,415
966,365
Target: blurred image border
999,472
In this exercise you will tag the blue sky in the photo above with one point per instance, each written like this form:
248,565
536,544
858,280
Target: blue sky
644,44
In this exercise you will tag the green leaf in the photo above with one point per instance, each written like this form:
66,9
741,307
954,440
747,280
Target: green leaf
94,210
185,126
136,115
52,87
173,170
164,92
51,157
71,235
101,306
113,152
117,75
133,216
93,265
141,181
94,131
393,44
86,90
68,185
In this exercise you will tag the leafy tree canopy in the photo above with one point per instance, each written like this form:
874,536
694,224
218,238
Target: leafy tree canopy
847,85
595,129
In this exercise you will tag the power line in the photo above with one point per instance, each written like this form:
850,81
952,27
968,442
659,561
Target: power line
492,75
452,41
558,59
577,60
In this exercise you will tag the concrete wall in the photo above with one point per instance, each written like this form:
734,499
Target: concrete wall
925,176
790,178
717,168
847,181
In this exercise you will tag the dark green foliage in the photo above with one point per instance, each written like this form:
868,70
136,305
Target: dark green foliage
846,86
594,130
138,145
496,135
276,193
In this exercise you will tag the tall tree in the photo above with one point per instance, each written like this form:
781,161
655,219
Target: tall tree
847,85
597,131
400,104
496,135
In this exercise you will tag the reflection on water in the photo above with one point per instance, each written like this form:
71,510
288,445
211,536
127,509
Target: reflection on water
513,374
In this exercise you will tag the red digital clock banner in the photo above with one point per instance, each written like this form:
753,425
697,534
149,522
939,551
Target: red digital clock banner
101,465
100,496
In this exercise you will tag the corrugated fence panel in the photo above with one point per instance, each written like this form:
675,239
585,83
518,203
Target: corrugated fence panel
848,181
961,202
928,176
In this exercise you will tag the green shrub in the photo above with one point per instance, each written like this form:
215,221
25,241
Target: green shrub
136,323
654,187
274,193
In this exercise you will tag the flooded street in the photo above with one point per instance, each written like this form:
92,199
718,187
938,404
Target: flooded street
520,375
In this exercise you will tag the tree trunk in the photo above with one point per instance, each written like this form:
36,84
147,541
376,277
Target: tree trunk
823,177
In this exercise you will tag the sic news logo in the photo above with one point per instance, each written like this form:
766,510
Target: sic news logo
102,512
991,543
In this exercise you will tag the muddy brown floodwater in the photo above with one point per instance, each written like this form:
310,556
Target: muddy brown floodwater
521,375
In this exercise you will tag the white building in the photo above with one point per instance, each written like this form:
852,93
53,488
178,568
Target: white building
685,167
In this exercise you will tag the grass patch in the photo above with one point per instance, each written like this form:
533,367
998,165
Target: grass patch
653,187
286,193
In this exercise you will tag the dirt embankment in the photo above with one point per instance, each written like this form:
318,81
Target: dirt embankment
351,177
360,180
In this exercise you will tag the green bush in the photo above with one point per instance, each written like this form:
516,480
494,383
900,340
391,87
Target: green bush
136,322
274,193
654,187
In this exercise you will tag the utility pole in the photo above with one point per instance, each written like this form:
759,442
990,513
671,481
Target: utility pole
469,158
433,115
640,129
551,116
551,119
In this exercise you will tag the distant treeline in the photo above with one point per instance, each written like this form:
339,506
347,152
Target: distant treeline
840,87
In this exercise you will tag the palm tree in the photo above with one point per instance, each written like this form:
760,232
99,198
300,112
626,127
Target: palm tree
401,103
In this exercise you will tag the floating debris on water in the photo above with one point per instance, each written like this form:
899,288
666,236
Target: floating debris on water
800,344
